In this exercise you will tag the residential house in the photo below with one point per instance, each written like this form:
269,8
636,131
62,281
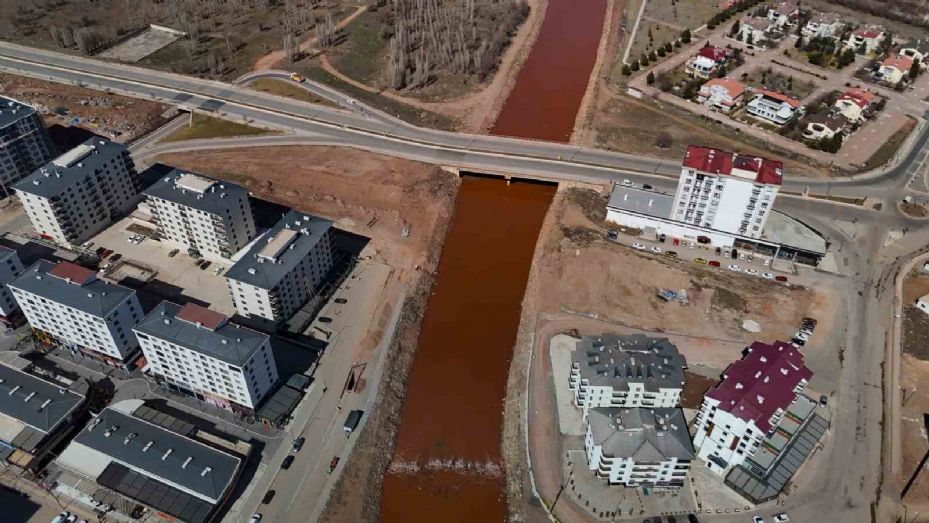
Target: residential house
918,50
639,447
721,94
894,69
785,14
754,31
774,107
922,303
824,126
748,403
853,104
866,40
707,61
626,371
823,25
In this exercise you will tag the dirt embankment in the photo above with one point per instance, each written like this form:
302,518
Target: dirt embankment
96,111
399,204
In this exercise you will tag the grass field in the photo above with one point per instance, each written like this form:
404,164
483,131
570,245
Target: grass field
776,81
363,53
289,90
660,34
681,13
209,127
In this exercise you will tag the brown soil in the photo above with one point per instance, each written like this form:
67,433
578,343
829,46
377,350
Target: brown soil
914,209
580,280
695,386
913,379
915,286
350,186
98,111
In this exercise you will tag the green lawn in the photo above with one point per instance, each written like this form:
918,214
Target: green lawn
209,127
288,89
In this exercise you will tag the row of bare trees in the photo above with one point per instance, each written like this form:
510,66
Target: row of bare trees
914,12
453,36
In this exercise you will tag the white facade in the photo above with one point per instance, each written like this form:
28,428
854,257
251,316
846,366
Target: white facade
81,312
774,110
639,447
923,303
224,363
78,194
701,67
823,25
722,94
867,39
719,434
283,268
723,202
192,211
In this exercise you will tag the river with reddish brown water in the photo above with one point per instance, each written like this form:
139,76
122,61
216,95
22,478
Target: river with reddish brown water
447,465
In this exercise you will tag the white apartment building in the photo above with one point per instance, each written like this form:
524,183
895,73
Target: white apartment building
200,352
749,401
24,142
726,191
195,212
639,447
81,192
283,268
10,268
74,308
626,371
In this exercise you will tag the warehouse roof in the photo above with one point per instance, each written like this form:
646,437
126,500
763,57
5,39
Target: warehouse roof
202,330
33,401
277,252
69,285
70,168
197,191
159,454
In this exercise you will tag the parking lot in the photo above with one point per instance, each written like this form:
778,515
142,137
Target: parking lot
176,278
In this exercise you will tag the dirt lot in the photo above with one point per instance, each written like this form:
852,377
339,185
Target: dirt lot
338,185
97,111
579,278
914,376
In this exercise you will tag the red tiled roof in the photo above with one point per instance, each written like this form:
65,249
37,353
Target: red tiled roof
734,88
860,97
903,63
868,32
714,53
779,96
714,161
762,382
194,313
70,271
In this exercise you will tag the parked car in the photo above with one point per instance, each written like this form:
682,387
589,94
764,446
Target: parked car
627,183
217,270
714,263
701,261
116,257
351,422
638,246
703,239
61,518
719,250
757,519
206,264
612,235
753,272
269,495
647,187
288,461
333,464
734,268
656,250
767,275
692,518
298,444
662,237
823,401
341,300
671,254
734,254
781,518
781,278
256,518
173,253
798,342
325,319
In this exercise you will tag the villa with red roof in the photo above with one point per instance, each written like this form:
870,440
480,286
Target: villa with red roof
772,106
707,61
753,395
866,39
721,94
726,191
853,102
894,68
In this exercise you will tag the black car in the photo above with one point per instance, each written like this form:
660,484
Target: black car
269,495
173,253
205,265
341,300
734,254
647,187
115,257
611,234
298,444
288,461
719,250
692,518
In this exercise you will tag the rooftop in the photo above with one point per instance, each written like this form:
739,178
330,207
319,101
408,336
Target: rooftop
12,111
196,191
780,97
616,361
156,452
832,121
34,402
71,167
861,97
641,434
825,18
714,53
203,331
902,63
641,201
734,88
716,161
51,281
921,45
870,31
277,252
761,383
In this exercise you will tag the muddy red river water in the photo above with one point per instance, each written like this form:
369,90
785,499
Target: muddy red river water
447,465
